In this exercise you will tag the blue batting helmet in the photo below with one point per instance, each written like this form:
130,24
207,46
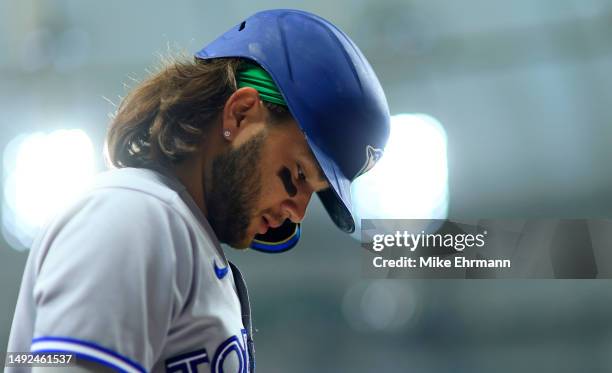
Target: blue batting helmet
331,91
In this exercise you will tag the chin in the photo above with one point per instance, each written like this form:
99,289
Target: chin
244,243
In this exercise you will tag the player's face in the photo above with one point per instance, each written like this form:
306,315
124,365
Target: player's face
266,180
290,175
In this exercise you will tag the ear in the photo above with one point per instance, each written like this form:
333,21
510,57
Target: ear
242,110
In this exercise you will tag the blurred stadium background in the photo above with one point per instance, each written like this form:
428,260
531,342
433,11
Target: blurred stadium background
522,90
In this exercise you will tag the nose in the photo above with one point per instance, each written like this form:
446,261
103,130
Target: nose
295,207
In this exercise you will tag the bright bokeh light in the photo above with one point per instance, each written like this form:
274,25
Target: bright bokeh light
42,174
381,306
411,179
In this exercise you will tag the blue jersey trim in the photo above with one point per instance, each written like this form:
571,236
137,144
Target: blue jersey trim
99,361
93,346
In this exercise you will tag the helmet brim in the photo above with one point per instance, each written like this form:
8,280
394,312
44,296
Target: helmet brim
337,198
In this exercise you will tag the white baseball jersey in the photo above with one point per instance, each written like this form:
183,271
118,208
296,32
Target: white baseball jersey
133,277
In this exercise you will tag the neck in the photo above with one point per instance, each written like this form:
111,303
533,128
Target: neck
191,173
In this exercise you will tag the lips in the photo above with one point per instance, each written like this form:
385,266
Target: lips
263,227
274,222
268,222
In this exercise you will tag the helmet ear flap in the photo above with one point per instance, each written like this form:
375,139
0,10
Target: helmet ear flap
277,240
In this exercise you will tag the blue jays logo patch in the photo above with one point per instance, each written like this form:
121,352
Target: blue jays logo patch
373,155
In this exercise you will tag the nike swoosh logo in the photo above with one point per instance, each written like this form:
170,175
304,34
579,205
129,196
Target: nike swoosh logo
220,272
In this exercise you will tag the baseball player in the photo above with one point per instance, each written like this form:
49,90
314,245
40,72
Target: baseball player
227,148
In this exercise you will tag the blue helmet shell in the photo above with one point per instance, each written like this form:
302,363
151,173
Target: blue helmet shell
331,91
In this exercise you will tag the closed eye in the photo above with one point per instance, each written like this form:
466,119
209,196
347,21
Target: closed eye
285,175
300,172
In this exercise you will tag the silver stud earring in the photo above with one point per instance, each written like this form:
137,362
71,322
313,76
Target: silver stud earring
226,133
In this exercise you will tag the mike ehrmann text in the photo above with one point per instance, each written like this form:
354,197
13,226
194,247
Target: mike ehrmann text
437,262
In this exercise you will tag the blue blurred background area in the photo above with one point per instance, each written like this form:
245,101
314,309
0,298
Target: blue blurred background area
517,101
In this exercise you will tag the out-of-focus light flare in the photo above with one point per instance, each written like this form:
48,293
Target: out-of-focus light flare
411,179
381,306
42,174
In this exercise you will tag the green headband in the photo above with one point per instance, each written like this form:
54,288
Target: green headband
251,75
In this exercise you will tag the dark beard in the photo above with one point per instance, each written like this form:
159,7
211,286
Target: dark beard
234,190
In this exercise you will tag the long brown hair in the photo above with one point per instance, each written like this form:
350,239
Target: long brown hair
164,118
